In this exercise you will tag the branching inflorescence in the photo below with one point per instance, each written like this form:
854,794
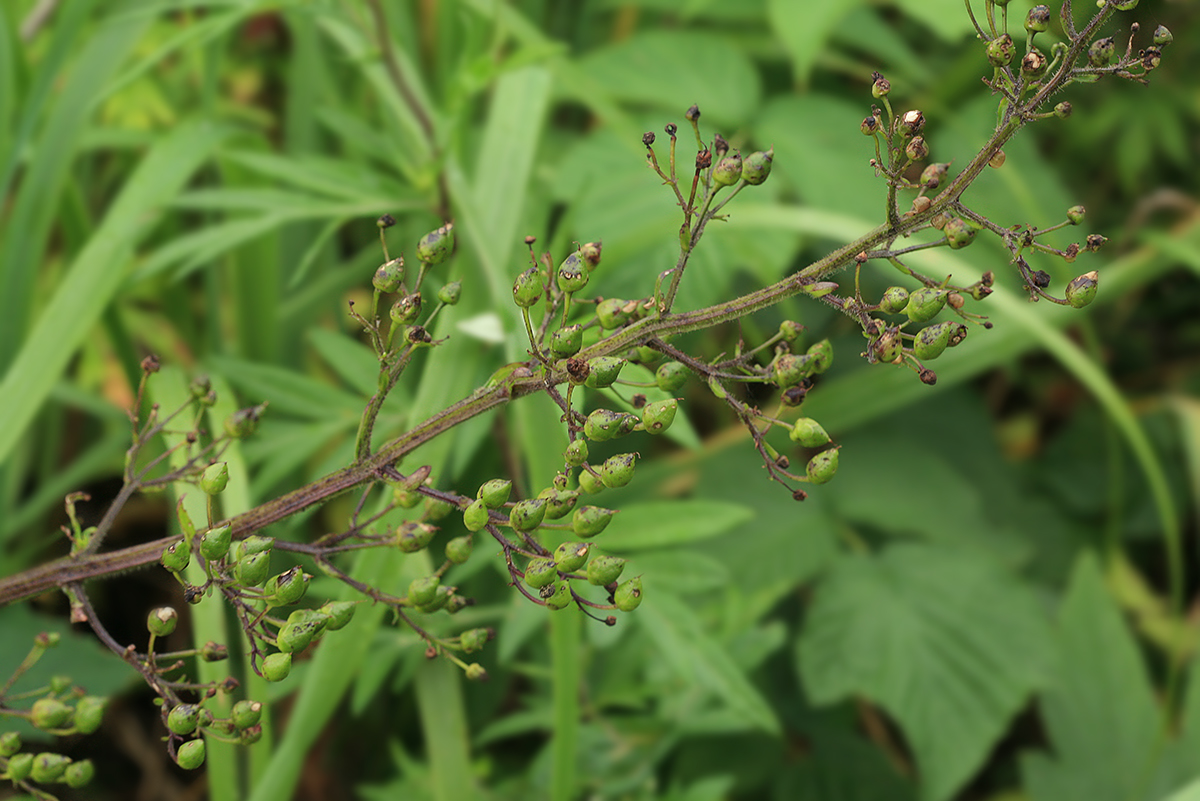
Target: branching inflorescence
577,345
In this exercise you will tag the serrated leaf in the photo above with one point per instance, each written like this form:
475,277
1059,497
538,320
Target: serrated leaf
663,524
947,643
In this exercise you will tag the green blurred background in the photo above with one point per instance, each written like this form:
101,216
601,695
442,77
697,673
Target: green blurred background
979,607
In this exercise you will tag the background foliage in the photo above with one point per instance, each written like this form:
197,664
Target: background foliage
978,607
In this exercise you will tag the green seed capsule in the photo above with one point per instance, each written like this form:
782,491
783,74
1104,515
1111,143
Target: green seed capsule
570,556
389,276
916,149
757,166
671,376
572,273
296,635
590,252
932,341
422,590
576,453
791,369
407,309
251,735
340,613
588,521
604,570
527,515
560,598
436,246
589,483
191,754
494,493
1000,51
527,289
790,331
1082,289
244,422
213,652
79,774
540,572
436,509
450,293
1076,215
566,341
50,713
162,621
246,713
19,767
603,371
605,424
48,768
475,672
214,543
1038,19
1163,36
215,478
822,467
925,304
287,588
1121,5
611,313
959,233
252,545
89,713
476,516
473,640
888,348
183,718
658,416
458,550
175,557
440,600
821,354
252,570
411,537
628,595
10,743
1101,51
809,433
617,471
559,503
406,498
728,170
819,289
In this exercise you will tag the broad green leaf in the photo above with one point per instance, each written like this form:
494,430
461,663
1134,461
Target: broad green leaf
948,644
1189,793
946,18
665,523
804,28
679,570
1099,710
697,658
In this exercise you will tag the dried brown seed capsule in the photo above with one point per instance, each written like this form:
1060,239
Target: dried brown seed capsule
916,149
1034,64
880,85
693,113
911,123
1040,279
648,138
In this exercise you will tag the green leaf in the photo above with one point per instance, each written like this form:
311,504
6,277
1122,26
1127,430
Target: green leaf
287,391
1099,710
947,643
805,27
665,523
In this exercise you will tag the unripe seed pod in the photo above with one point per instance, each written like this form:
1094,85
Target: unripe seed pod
390,275
605,424
252,545
162,621
809,433
10,743
617,471
559,503
925,304
1101,51
728,171
628,595
440,600
931,342
997,160
296,635
880,85
1082,289
894,299
411,537
407,309
1000,51
252,570
527,515
576,453
251,735
790,330
1062,110
959,233
405,498
604,570
450,293
215,478
243,422
570,556
476,672
589,483
19,767
589,521
611,313
603,371
476,516
757,166
458,550
822,467
59,684
48,768
436,509
494,493
340,613
175,557
870,126
1163,36
213,652
214,543
559,597
79,774
670,376
50,713
931,177
473,640
1038,19
541,572
183,718
423,590
436,246
790,369
572,273
888,348
911,123
1124,5
821,355
916,149
246,713
527,289
1094,242
190,755
288,587
658,416
566,341
1076,215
